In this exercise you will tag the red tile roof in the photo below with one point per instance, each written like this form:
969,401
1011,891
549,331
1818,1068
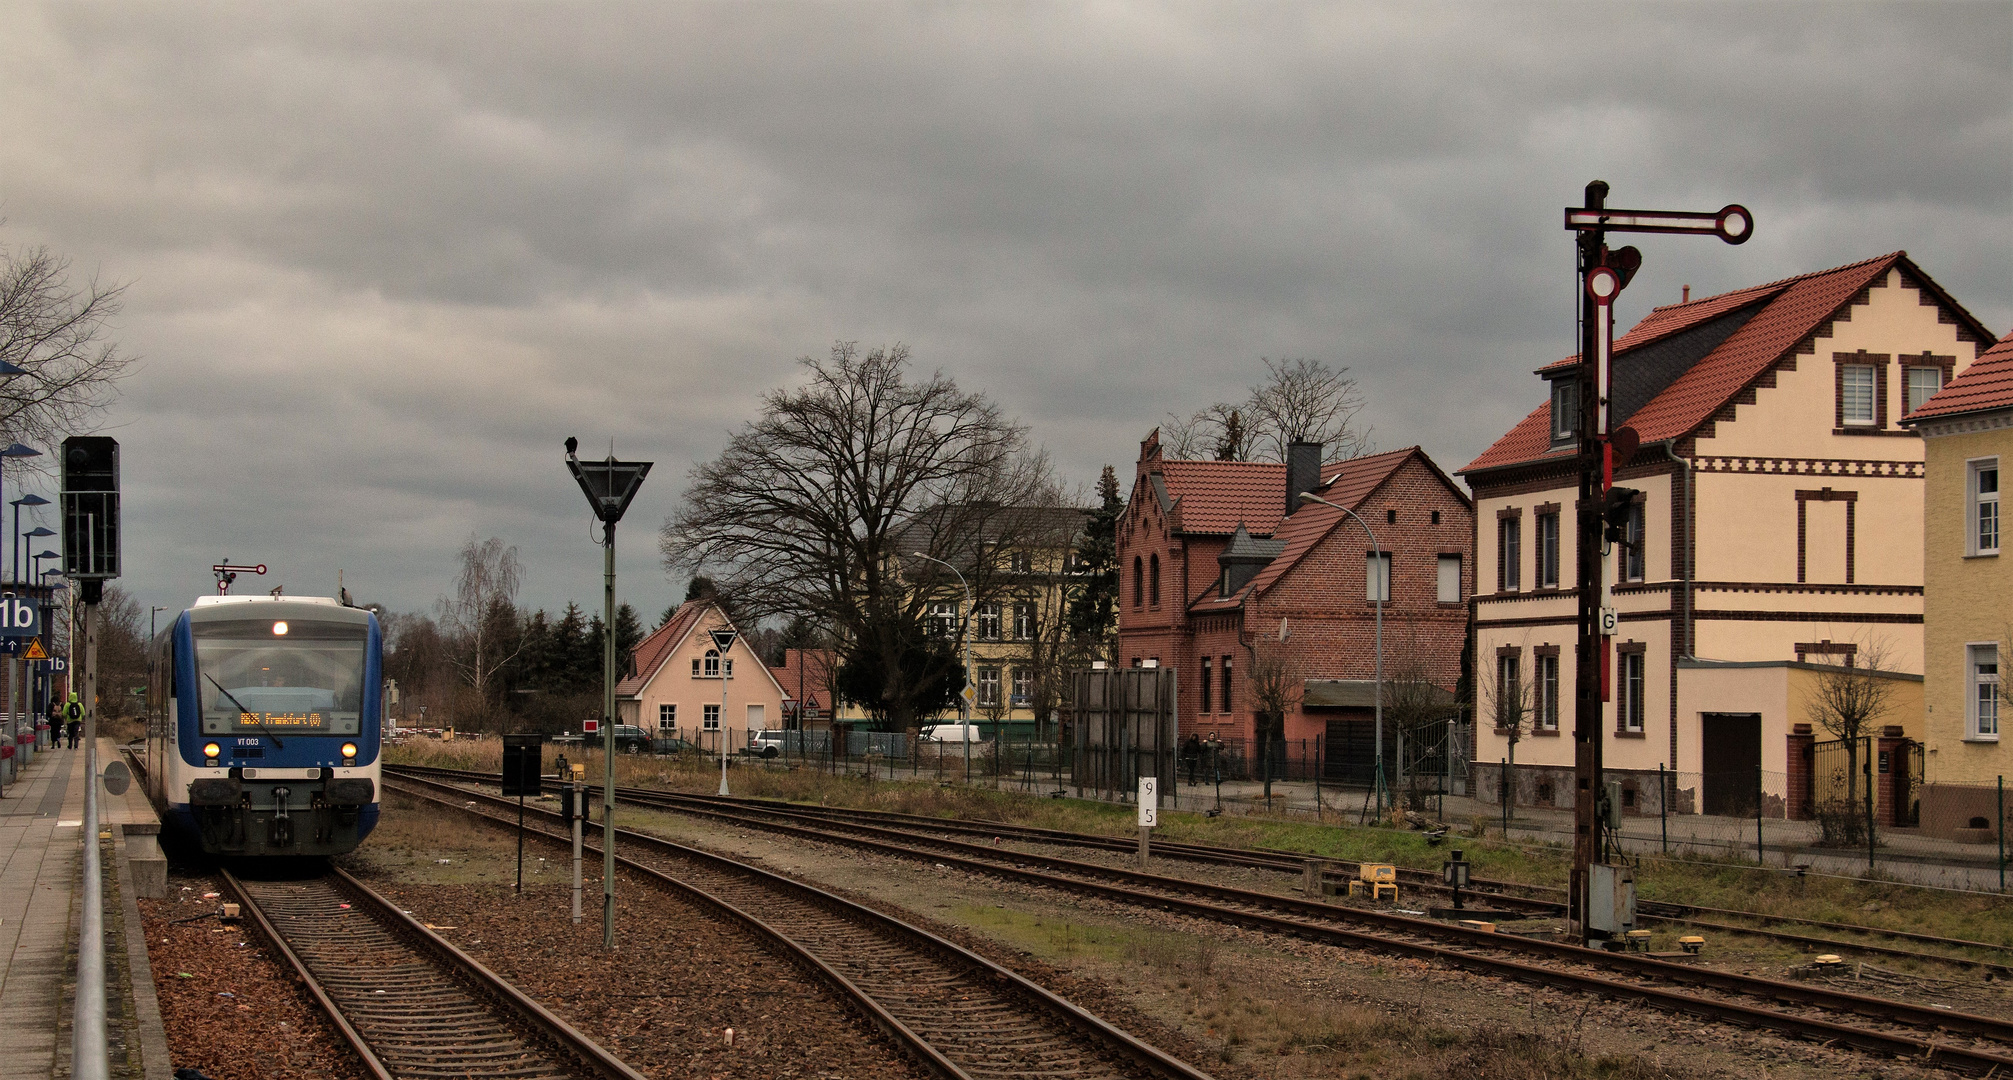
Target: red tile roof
1215,496
1985,386
654,649
1792,309
1349,484
803,675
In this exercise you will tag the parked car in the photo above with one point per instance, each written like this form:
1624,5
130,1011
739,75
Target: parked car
629,739
953,733
667,744
767,743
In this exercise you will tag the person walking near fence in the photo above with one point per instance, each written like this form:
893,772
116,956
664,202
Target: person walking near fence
1191,751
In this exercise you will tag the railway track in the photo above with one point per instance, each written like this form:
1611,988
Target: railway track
961,1015
1958,1041
1502,895
410,1004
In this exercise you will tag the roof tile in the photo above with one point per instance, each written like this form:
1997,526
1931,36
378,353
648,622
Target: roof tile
1795,307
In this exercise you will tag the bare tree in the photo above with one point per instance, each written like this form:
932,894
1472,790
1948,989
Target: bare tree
55,333
1511,702
816,507
1306,401
1275,684
1299,401
482,615
1850,699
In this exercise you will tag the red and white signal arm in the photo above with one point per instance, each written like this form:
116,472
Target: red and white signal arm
590,725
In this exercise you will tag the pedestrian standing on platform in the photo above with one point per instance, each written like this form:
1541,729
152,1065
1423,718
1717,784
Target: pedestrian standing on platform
75,712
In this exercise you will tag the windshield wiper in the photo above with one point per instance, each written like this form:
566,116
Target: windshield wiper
277,744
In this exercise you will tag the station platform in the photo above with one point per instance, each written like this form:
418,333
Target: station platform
41,848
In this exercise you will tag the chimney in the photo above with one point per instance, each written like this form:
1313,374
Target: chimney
1303,471
1687,295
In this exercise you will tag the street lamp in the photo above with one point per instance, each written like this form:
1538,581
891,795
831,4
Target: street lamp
1384,589
964,635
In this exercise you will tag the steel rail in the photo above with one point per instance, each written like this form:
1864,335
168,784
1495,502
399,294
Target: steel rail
981,860
1111,1038
1494,891
576,1052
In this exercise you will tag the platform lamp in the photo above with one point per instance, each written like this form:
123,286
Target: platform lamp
16,450
38,532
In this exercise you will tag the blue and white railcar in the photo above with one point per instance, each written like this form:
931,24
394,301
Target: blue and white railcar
265,725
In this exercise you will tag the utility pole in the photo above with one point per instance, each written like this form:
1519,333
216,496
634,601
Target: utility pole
609,486
1603,508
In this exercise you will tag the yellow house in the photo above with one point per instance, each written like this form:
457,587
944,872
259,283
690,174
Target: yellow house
1778,521
1967,431
1015,630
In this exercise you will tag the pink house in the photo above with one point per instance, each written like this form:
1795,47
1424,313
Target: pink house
681,679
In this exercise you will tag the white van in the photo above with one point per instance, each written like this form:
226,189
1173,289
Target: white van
953,733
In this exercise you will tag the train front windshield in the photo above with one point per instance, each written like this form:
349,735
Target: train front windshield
268,677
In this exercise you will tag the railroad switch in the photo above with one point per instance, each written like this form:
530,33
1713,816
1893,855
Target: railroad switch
1637,940
230,913
1691,943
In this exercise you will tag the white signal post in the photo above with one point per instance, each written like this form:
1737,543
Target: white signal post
723,640
1149,812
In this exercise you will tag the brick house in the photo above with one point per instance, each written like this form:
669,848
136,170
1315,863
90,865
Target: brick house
1219,560
1779,526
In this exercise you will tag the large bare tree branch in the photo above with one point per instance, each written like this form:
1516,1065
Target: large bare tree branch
55,333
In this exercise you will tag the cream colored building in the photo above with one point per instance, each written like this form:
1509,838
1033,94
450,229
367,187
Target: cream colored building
1967,431
1779,521
684,686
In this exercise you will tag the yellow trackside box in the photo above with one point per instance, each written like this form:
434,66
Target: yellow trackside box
1383,873
1375,890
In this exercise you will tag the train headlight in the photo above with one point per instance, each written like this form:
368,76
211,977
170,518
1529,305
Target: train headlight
211,750
280,629
349,749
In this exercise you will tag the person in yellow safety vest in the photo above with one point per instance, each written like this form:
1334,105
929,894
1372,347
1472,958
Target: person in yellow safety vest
75,712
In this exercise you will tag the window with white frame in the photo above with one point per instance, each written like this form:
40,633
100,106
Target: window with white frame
1629,691
1023,620
1923,383
1377,576
943,618
1509,554
1565,409
1023,685
988,622
712,665
1509,691
1633,535
1548,551
1984,507
1450,579
1981,664
695,667
667,716
1855,394
989,686
709,717
1545,693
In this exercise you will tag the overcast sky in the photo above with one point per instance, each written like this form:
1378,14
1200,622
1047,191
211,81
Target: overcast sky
383,259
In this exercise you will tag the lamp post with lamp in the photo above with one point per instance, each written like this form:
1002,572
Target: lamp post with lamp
16,450
14,555
1383,592
964,635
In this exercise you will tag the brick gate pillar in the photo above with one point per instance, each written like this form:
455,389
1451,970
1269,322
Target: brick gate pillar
1890,774
1799,760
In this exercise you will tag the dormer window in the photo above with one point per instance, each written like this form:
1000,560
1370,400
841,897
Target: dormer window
1565,409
